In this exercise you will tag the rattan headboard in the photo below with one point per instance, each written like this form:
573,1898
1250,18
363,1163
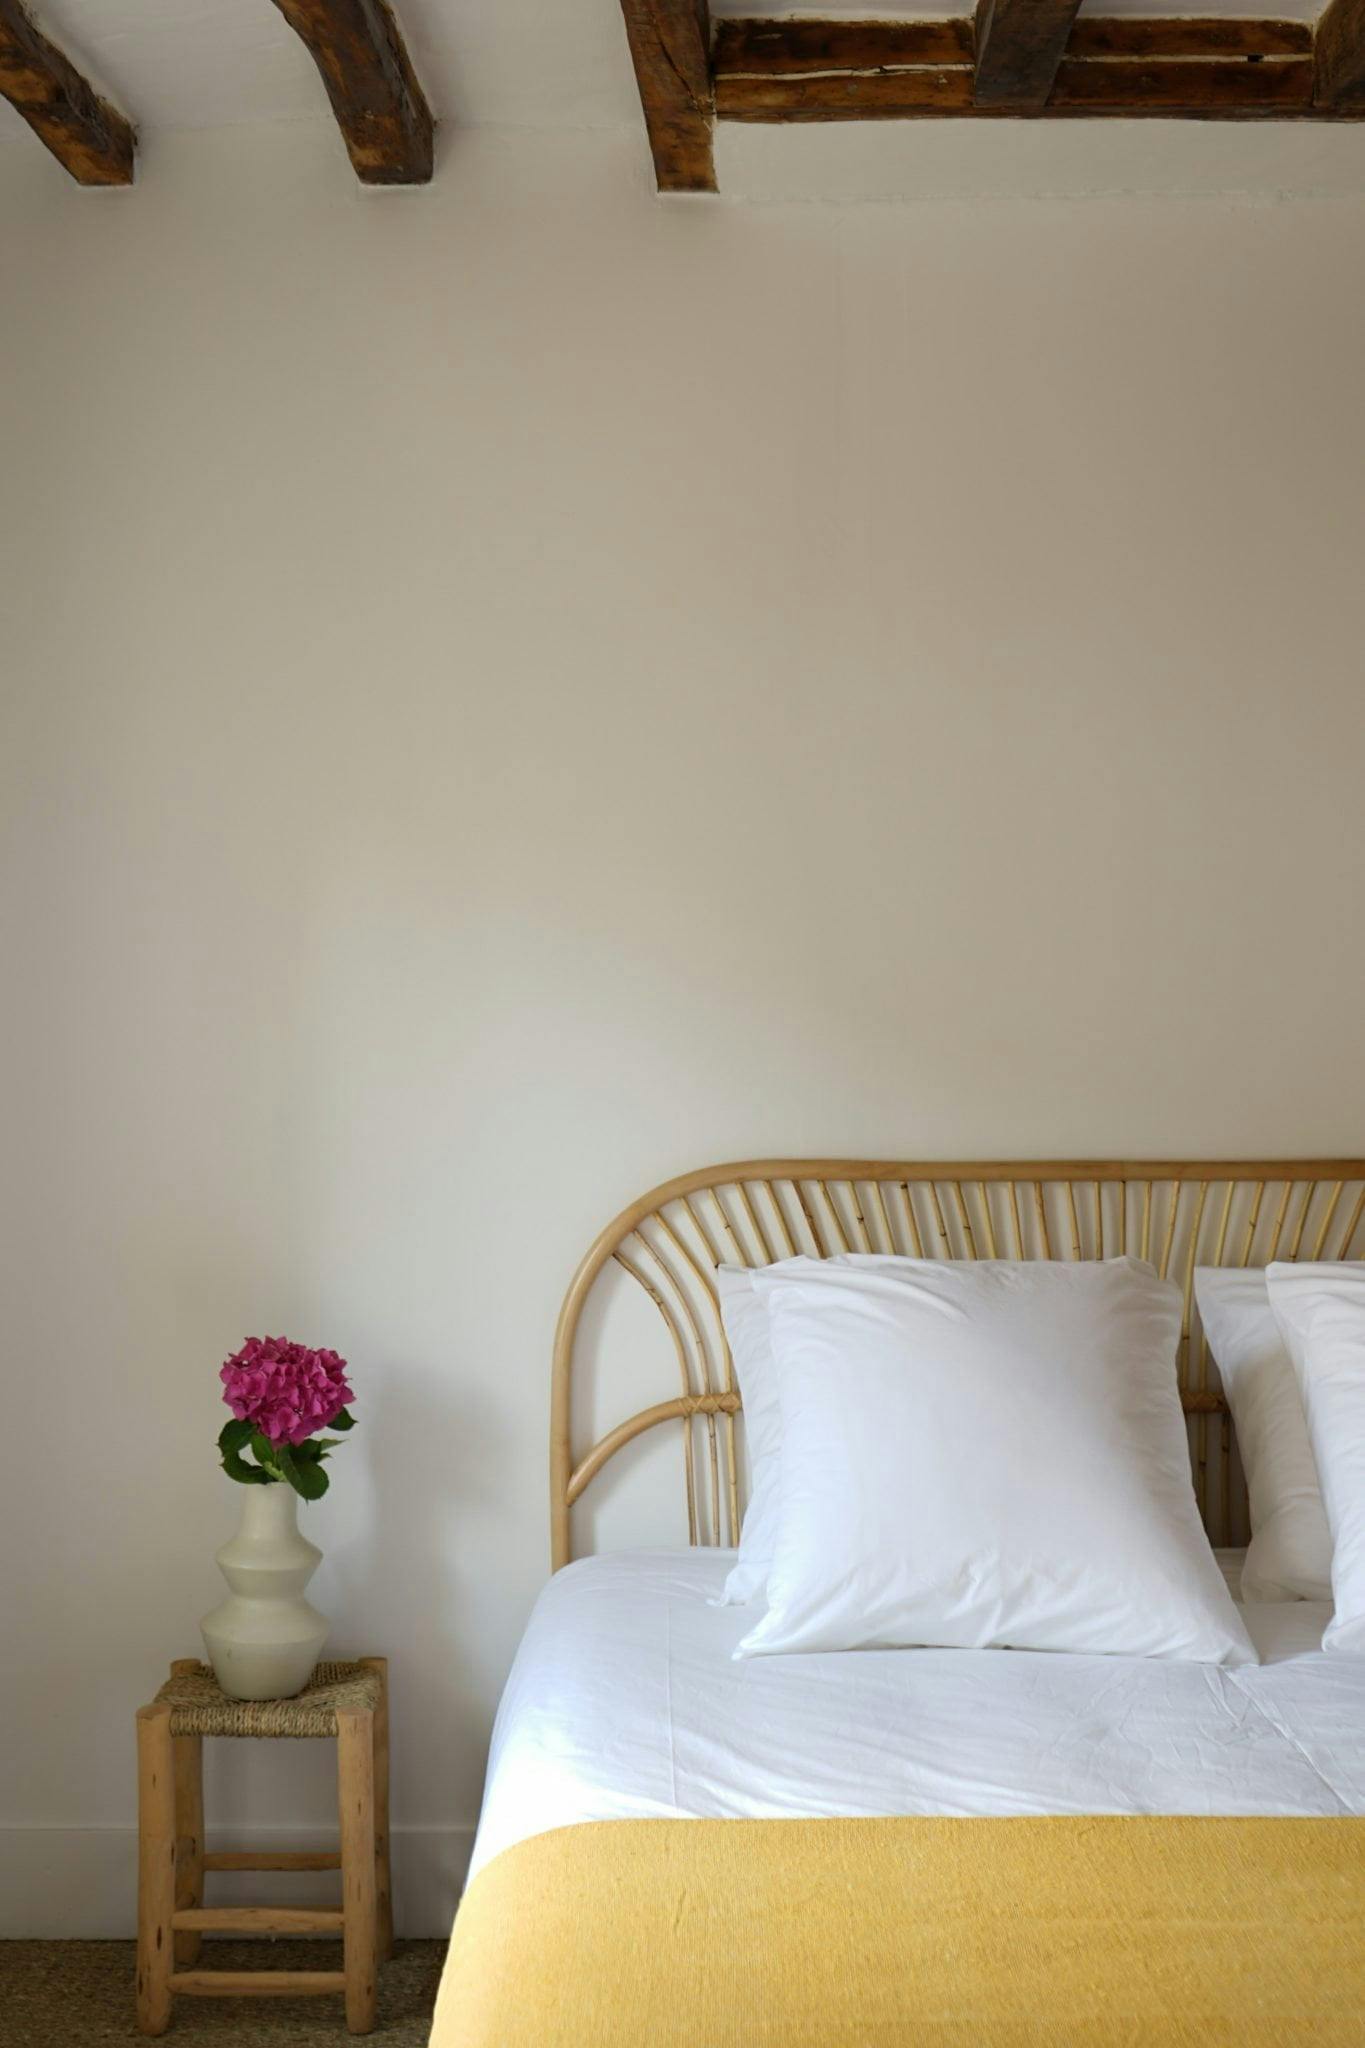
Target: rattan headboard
1179,1214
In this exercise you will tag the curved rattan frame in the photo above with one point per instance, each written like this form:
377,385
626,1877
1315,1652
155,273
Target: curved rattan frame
1178,1213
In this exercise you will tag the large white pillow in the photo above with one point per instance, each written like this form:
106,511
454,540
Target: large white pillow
745,1316
1290,1553
979,1454
1321,1310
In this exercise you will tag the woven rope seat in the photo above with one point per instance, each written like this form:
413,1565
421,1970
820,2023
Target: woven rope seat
199,1706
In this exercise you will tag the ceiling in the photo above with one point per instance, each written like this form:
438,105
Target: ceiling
539,63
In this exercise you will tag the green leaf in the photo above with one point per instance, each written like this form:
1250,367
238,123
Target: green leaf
316,1446
237,1468
312,1482
267,1454
234,1435
306,1478
343,1419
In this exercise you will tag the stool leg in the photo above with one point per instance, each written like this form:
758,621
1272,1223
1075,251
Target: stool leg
355,1790
155,1866
189,1840
383,1872
189,1828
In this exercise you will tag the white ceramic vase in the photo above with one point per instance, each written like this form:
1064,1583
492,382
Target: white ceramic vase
264,1640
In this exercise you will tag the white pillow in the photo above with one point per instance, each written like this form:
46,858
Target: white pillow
1321,1310
1290,1553
745,1316
979,1454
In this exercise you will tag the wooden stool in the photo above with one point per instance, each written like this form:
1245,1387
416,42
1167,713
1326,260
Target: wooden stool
348,1701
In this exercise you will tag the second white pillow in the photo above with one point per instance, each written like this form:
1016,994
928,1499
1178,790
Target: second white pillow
986,1454
1290,1553
1321,1310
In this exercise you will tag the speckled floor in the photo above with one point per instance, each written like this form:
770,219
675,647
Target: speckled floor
79,1994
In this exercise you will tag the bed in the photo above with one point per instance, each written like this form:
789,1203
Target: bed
909,1846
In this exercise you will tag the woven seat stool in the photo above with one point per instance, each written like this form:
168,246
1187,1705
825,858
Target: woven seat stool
348,1702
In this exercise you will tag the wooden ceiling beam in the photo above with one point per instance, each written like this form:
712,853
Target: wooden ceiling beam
1120,67
1019,47
1136,36
754,48
1339,54
670,46
1196,91
380,108
88,137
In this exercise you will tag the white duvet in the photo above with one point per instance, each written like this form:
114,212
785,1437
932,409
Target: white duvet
624,1703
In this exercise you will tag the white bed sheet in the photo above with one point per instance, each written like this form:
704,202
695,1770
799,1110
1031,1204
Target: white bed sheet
623,1704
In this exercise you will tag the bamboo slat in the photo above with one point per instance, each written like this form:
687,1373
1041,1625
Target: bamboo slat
805,1207
860,1221
735,1246
1326,1224
940,1223
760,1234
968,1235
1344,1248
1014,1220
1040,1209
838,1237
915,1238
715,1257
1163,1265
984,1197
1278,1228
1308,1194
700,1343
789,1242
1201,1433
1257,1197
888,1241
680,1347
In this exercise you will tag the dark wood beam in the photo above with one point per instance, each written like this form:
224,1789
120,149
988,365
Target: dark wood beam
1131,36
1339,54
380,107
1019,46
87,136
753,48
670,45
1225,91
760,49
1212,90
1120,67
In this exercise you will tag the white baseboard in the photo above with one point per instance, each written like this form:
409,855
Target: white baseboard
81,1883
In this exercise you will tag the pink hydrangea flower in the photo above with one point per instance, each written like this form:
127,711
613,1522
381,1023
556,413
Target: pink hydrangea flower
285,1390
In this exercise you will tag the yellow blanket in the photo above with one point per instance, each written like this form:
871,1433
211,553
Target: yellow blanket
1126,1932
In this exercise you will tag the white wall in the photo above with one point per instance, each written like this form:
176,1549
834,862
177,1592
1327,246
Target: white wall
515,690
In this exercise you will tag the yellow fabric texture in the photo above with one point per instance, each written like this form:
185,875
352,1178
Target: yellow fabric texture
1002,1933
